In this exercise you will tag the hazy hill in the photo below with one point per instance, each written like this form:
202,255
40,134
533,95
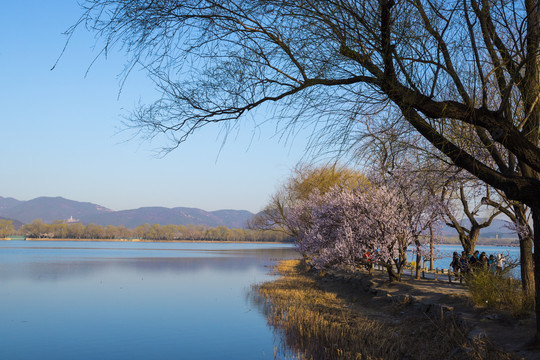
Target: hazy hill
57,208
50,209
6,203
497,227
176,216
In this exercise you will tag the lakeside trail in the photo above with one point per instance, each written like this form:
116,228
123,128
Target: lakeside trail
337,315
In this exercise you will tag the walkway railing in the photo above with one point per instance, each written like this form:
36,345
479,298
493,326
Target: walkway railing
425,273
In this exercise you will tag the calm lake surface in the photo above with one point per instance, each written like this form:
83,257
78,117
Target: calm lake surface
133,300
444,253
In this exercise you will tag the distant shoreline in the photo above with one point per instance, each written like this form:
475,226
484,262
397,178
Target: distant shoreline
483,241
452,242
154,241
480,244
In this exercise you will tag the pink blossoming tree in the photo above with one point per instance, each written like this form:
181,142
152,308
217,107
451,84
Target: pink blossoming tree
422,209
345,225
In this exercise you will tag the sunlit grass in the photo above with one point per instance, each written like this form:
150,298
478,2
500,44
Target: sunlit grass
323,325
501,292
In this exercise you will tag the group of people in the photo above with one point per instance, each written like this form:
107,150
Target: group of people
466,263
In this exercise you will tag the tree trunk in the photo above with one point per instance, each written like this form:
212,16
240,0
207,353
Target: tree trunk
527,266
418,262
418,258
525,251
536,224
392,275
431,246
466,244
473,237
398,263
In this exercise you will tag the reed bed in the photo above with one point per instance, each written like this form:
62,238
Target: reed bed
319,324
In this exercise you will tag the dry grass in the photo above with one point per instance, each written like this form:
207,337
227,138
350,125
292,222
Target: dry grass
500,292
324,325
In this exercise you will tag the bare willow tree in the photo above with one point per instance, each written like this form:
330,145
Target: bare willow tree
384,145
335,63
464,195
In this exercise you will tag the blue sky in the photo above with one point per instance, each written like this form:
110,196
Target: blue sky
60,129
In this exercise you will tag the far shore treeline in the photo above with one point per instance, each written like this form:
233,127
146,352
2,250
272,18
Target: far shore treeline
489,241
37,229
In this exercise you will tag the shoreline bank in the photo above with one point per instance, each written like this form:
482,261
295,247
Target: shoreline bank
344,316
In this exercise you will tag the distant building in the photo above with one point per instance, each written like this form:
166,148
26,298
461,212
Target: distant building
72,220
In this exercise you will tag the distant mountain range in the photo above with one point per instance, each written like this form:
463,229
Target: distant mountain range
50,209
498,228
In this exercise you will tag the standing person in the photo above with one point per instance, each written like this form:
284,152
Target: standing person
464,263
483,261
499,264
455,264
473,260
368,263
491,263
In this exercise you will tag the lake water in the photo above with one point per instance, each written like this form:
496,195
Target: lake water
136,300
130,300
444,253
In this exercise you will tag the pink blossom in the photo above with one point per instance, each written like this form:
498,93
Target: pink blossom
339,227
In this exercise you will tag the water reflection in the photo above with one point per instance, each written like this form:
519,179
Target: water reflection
58,267
71,300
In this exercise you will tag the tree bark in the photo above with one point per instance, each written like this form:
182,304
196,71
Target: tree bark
525,234
418,262
536,223
525,252
527,266
392,275
467,244
431,246
399,263
468,241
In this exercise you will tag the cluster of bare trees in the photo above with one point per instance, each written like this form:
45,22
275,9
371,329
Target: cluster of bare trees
63,230
459,79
